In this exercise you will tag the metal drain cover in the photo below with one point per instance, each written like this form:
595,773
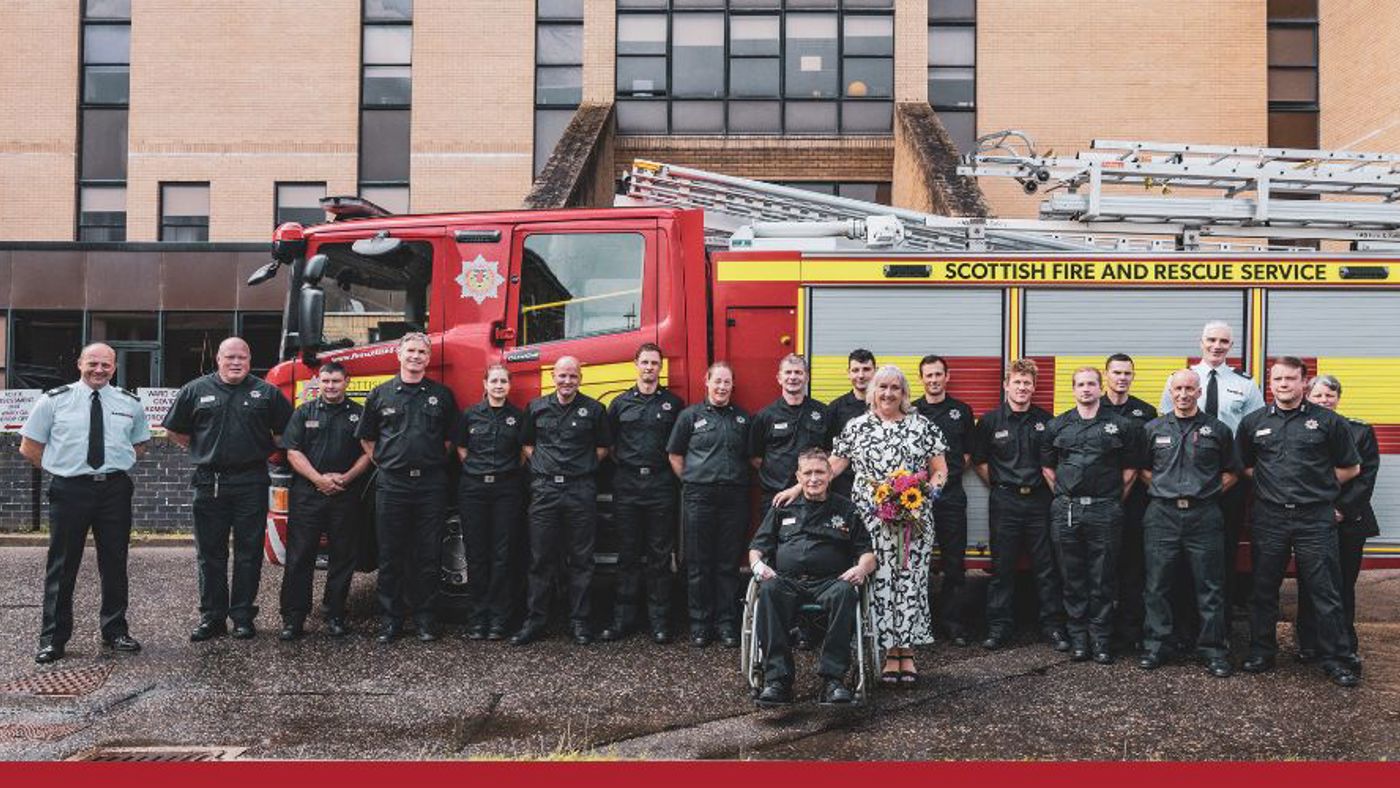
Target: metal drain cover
61,683
159,754
22,731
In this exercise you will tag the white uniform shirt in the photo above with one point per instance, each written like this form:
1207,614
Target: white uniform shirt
1237,394
60,421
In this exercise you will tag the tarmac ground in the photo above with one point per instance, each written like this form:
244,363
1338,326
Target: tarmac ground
323,698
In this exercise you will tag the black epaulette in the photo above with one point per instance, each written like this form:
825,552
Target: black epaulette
1359,422
55,392
129,393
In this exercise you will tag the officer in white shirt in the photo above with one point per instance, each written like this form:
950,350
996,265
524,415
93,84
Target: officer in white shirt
1229,396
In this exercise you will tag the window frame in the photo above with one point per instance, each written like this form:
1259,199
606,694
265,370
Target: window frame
80,182
1278,107
939,108
162,225
645,284
537,163
360,180
277,220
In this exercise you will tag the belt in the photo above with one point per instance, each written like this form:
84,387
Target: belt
492,478
412,473
1021,489
1294,506
108,476
562,478
1088,500
641,470
1186,503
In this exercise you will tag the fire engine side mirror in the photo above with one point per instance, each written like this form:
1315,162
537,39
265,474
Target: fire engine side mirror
311,312
315,269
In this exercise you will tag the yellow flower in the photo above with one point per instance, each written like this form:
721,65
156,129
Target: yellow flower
883,493
911,499
901,473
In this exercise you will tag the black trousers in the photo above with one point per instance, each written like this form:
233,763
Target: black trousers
780,599
75,506
644,514
1021,523
1232,509
240,510
1350,548
563,524
1087,538
1308,535
312,514
1132,572
409,523
950,529
491,514
716,521
1193,534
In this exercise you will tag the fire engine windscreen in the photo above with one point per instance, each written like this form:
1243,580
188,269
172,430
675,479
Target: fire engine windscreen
375,299
580,284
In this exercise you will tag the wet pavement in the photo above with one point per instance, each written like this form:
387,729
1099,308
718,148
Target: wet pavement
327,698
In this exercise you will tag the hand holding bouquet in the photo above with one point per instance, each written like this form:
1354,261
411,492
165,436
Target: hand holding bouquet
899,502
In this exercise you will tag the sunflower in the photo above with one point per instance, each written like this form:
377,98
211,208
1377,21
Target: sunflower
911,499
901,473
883,493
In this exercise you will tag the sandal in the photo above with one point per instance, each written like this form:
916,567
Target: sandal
908,677
888,676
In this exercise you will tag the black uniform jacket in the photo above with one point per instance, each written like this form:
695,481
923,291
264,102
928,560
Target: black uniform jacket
566,437
231,428
1294,453
641,425
410,424
714,442
954,417
1089,455
819,539
325,433
780,432
1188,454
491,437
1009,443
1355,501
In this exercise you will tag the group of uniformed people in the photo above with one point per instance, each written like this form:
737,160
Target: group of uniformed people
1130,519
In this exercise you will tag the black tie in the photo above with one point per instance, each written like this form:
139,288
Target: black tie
1213,395
96,443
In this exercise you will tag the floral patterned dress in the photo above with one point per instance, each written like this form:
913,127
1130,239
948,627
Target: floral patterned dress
899,588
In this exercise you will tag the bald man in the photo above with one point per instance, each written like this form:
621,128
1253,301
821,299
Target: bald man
229,420
566,435
86,434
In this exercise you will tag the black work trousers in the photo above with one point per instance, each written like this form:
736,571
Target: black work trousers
1021,523
311,515
1087,538
716,521
1307,534
779,600
1192,535
950,529
1350,548
409,523
75,506
563,524
1132,572
644,515
1232,510
221,510
491,516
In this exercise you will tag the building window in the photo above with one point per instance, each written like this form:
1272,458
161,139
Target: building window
580,284
191,344
952,67
184,212
46,346
874,191
105,91
1293,84
558,72
300,203
755,66
263,333
386,98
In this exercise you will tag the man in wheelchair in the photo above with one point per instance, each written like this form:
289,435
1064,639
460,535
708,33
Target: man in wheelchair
815,550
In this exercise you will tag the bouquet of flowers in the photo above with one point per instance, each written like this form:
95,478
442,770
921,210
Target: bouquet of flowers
899,501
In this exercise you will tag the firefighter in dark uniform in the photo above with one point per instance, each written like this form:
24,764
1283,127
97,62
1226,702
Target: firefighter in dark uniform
326,497
815,549
954,418
1119,374
566,436
1090,458
407,430
644,497
491,501
1006,456
1355,519
1191,462
860,370
782,430
1299,455
709,452
229,420
87,435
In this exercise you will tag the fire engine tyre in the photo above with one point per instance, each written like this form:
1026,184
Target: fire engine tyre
455,604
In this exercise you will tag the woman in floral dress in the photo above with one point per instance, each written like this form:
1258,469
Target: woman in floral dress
891,436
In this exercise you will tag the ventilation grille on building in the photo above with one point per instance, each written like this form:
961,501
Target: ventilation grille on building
159,754
60,683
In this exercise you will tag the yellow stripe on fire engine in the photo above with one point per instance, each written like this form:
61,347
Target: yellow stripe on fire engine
1152,372
829,379
1368,387
358,388
603,381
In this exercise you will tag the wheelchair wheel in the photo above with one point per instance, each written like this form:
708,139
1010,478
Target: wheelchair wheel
750,653
871,659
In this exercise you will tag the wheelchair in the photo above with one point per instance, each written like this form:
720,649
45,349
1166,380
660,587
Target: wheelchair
866,646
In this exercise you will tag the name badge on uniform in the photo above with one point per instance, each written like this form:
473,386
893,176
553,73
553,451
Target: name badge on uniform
1001,434
207,398
354,417
1164,440
489,479
255,394
312,424
782,425
700,423
387,412
1263,432
789,521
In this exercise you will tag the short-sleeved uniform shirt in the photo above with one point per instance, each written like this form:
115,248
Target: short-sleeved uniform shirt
61,419
641,425
1089,455
410,425
1008,442
1236,395
492,438
1187,455
821,539
325,433
1294,453
954,418
779,433
231,427
714,442
566,437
